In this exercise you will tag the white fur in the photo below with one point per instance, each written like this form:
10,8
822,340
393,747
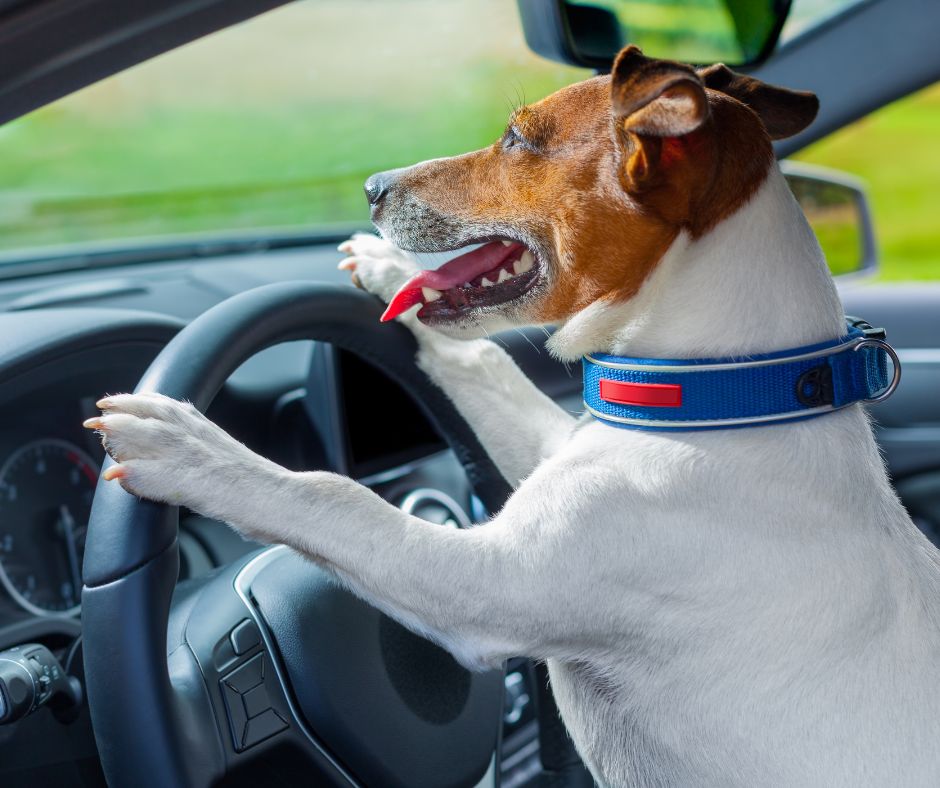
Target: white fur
743,607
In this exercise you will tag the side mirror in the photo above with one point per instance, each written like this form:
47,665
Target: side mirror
837,209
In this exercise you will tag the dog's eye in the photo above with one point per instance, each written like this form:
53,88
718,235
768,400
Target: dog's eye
512,139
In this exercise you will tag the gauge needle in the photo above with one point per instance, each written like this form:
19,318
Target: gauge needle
68,522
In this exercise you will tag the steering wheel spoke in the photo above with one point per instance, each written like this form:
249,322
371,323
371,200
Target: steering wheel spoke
227,680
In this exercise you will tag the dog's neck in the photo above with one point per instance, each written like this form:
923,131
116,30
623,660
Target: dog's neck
757,282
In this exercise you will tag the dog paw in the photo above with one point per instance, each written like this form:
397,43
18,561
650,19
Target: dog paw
376,265
167,451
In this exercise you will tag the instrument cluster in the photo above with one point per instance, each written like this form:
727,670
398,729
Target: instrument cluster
46,490
48,472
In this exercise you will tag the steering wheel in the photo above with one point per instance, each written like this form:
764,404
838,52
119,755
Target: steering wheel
267,670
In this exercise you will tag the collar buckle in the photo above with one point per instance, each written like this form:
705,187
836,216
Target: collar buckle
866,328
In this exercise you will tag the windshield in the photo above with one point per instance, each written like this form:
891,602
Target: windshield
268,127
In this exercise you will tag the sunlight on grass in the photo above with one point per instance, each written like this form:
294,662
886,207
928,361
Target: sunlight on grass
895,151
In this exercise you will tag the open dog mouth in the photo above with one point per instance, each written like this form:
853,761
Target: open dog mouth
495,273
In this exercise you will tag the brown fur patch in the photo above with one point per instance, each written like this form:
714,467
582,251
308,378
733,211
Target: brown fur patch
783,112
593,173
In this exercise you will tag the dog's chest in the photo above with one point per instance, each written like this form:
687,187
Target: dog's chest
614,732
747,609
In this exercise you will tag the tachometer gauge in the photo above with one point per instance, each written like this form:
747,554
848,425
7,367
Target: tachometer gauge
46,489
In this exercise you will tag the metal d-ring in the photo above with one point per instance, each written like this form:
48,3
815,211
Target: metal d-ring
896,378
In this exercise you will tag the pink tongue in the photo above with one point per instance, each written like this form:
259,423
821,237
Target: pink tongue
454,272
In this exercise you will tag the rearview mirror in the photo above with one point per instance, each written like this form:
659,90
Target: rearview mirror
837,209
589,33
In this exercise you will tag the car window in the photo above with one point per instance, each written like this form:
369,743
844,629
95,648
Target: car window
270,125
894,151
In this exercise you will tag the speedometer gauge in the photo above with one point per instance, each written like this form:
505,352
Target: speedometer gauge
46,489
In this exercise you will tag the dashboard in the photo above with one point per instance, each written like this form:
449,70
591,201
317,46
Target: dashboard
68,338
48,474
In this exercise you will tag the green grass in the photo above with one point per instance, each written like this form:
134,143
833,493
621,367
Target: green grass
214,170
275,124
841,241
895,152
171,171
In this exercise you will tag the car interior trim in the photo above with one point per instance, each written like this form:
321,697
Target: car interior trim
242,585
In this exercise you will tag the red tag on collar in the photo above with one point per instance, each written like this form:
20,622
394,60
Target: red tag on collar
659,395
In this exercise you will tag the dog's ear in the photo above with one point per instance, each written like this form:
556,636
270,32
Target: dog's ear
653,100
783,112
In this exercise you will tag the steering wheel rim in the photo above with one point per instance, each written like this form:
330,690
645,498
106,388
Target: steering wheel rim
132,558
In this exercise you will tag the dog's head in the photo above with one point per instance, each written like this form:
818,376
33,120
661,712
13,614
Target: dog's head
584,192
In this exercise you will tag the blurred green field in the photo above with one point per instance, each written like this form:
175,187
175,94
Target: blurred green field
896,152
275,124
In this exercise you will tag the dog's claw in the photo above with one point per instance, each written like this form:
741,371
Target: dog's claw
114,472
94,423
349,264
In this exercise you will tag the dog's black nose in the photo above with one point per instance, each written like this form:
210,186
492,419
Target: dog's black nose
377,187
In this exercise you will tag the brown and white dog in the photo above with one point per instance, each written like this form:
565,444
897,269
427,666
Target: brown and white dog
734,607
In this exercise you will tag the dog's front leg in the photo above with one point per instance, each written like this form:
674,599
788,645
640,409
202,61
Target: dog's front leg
485,593
518,425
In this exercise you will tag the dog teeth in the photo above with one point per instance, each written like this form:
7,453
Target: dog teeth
507,243
486,282
524,263
430,294
503,276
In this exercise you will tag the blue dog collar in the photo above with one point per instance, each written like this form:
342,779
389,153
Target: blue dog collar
697,394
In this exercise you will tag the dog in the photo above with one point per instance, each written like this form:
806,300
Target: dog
716,607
